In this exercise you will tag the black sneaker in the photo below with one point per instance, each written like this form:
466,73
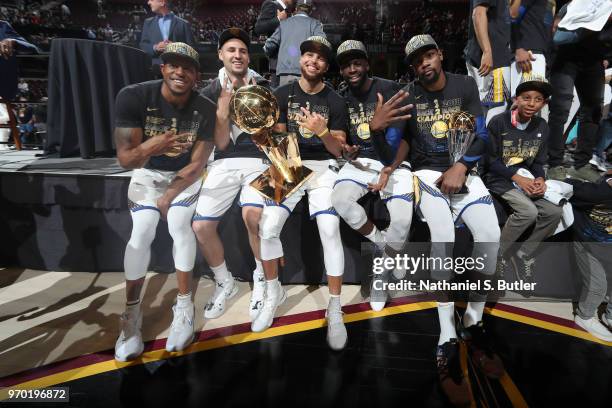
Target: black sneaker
481,350
524,267
453,383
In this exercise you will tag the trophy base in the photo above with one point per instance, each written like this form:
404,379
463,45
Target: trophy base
276,191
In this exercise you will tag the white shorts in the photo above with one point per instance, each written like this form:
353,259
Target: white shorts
225,178
494,89
148,185
538,67
363,171
477,194
319,188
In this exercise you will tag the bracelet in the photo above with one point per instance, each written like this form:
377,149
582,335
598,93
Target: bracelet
323,133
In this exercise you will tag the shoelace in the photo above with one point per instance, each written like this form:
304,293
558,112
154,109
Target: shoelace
335,317
527,265
181,318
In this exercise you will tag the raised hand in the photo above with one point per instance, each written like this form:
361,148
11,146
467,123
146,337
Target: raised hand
390,111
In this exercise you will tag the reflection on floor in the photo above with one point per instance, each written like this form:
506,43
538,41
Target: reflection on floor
389,358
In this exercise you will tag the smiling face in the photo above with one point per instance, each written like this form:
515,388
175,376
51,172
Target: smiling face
529,103
179,76
235,57
427,65
313,65
355,72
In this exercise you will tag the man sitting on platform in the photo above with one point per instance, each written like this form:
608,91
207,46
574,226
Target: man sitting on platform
164,131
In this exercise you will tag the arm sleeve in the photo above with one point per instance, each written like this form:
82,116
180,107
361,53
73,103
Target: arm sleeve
473,106
22,43
494,152
273,42
318,29
519,33
145,41
127,109
537,167
266,22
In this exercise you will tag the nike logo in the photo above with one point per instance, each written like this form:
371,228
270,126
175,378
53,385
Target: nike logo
504,133
151,109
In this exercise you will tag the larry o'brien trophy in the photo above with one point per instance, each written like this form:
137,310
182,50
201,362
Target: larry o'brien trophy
460,135
254,110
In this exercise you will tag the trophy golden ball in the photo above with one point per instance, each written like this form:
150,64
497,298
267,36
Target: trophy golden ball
254,108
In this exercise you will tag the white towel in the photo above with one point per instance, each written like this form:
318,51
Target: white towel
589,14
235,131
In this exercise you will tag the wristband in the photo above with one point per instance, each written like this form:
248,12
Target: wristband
323,133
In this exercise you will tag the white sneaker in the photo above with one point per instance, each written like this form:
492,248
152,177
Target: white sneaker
598,162
595,327
257,296
607,322
181,330
223,291
129,345
266,316
378,297
336,331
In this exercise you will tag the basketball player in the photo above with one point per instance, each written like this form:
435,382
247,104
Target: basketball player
375,131
164,131
317,115
237,162
443,201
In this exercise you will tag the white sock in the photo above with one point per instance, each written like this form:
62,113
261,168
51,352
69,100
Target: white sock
273,288
183,300
446,315
132,307
221,273
473,313
258,272
334,300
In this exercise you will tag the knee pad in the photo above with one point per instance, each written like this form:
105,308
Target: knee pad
271,248
270,225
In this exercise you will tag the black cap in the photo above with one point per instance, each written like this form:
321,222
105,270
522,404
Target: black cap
534,82
418,43
234,32
179,50
317,44
351,49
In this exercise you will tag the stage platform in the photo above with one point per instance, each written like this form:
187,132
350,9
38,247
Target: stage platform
70,214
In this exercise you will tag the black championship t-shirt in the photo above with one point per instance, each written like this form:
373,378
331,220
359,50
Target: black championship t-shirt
142,106
533,27
361,108
510,149
241,144
427,130
498,16
327,103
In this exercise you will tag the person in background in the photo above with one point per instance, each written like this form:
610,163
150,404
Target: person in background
271,14
163,29
286,40
592,205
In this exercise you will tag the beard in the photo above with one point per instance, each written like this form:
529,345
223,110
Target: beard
359,84
424,79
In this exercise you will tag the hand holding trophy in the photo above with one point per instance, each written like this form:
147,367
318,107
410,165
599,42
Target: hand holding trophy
460,135
254,110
